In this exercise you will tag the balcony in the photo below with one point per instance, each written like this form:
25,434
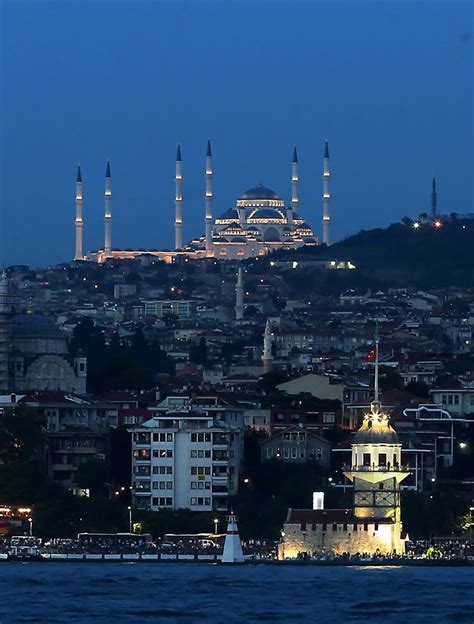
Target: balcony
376,473
373,468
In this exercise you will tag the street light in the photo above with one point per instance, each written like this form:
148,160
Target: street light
471,509
130,520
462,445
30,520
216,522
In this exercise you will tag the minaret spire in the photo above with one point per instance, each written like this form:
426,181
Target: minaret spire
267,348
434,199
208,199
326,195
239,297
108,213
79,223
295,179
178,202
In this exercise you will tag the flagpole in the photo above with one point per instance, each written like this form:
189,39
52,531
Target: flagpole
376,380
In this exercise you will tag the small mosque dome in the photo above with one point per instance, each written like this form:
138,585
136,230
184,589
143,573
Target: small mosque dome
35,326
230,214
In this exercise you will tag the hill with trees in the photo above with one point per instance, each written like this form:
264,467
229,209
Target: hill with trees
400,255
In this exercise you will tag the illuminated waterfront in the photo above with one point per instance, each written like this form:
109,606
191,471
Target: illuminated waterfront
84,593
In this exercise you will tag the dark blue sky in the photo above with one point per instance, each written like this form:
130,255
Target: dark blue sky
388,83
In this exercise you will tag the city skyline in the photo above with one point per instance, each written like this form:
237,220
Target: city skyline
100,99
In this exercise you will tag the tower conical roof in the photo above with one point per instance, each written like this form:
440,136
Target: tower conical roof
178,154
209,150
295,155
79,176
107,171
326,150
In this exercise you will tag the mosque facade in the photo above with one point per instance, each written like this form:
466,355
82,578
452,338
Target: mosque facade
260,221
34,353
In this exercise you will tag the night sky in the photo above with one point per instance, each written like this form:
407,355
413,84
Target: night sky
389,84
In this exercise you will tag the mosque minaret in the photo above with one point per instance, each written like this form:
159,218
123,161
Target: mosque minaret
108,213
326,196
79,223
258,223
178,202
4,319
208,199
239,297
267,356
295,180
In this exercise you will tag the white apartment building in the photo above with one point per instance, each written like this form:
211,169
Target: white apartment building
457,397
181,308
185,460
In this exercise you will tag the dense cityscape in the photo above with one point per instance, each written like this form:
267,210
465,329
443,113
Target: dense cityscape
236,312
151,397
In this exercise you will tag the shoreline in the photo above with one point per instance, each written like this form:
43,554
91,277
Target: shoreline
215,559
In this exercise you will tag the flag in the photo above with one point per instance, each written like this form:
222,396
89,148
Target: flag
370,357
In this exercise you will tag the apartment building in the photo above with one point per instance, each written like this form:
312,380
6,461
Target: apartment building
185,460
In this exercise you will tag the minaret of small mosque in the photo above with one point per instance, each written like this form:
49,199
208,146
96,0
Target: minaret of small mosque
4,320
295,180
208,198
376,469
434,200
79,255
108,213
267,348
326,195
239,297
178,202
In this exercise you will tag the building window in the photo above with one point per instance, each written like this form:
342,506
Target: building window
382,459
366,459
303,526
334,526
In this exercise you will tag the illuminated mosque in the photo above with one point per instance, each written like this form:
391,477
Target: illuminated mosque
258,224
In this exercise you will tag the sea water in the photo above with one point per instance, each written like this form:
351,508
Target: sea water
84,593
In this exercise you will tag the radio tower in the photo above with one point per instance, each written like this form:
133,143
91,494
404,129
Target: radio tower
434,200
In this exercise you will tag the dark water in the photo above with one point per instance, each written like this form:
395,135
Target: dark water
182,593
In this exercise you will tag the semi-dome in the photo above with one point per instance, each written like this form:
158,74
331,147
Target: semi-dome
230,214
259,192
267,213
34,326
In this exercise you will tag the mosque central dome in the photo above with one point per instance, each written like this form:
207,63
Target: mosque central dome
259,192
